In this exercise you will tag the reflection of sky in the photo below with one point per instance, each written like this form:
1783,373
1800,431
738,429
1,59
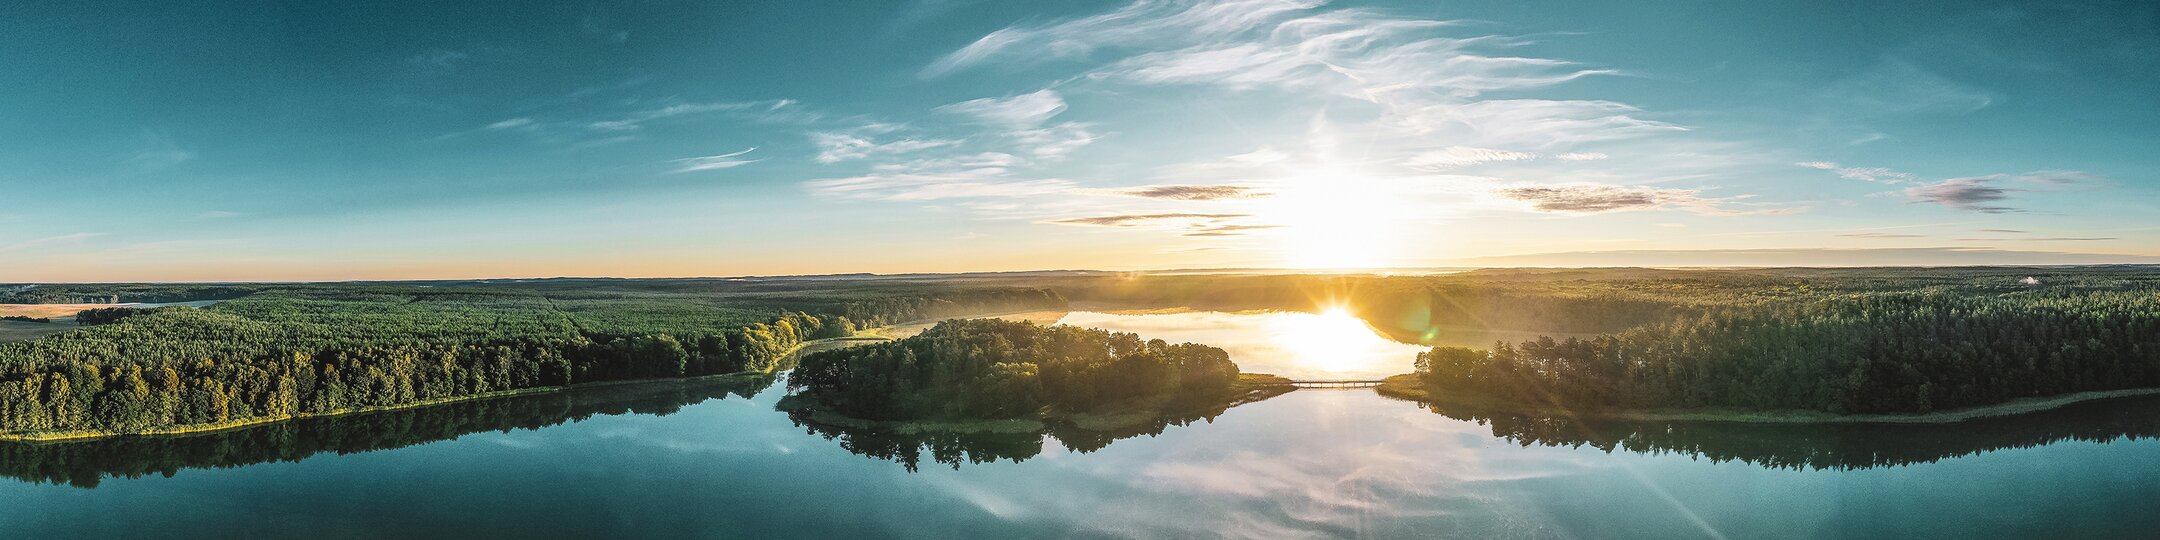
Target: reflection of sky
1312,463
1290,344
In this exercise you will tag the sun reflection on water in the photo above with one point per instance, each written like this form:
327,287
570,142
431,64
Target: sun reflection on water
1331,345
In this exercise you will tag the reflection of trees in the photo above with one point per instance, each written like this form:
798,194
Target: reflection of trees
955,449
85,463
1830,446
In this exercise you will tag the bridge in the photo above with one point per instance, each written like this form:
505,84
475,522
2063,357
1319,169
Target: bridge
1356,383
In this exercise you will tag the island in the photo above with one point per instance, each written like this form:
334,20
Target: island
990,375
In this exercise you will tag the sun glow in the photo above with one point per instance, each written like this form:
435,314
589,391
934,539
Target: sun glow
1333,341
1335,217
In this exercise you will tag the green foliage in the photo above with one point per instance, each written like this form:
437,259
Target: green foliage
103,315
311,349
989,368
115,294
1880,352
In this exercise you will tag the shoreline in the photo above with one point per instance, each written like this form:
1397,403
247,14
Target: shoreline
1403,387
198,429
864,336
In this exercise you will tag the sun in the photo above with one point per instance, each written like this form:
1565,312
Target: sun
1332,342
1335,217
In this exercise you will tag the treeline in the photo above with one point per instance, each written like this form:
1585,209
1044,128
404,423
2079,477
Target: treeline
320,350
86,464
1409,308
25,318
1860,353
879,311
108,315
117,294
989,368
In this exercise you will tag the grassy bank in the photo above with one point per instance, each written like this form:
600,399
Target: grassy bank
1407,387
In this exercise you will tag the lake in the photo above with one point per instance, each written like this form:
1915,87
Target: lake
714,459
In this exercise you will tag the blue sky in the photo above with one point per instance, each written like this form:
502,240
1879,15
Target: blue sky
305,140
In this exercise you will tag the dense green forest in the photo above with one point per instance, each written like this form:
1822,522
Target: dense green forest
989,368
1837,340
1858,340
288,351
1884,352
119,293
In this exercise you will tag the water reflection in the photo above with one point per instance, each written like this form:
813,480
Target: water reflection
87,463
956,449
1332,345
1829,446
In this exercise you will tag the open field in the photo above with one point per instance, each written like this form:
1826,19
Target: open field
50,310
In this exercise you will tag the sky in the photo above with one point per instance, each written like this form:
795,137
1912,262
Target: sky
287,141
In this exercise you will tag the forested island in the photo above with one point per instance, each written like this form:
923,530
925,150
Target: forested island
962,372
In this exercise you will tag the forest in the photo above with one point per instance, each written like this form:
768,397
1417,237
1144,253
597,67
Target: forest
1832,341
87,464
1877,352
294,351
993,369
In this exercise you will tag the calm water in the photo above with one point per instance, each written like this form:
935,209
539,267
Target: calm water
1304,346
714,459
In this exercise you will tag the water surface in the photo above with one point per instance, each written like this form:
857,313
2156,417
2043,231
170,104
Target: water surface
714,459
1304,346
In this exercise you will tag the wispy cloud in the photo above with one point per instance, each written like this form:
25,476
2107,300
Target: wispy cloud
158,150
835,147
2043,239
216,214
1462,156
34,243
1195,192
511,123
1599,198
1870,174
1130,220
1022,111
1898,87
439,59
1203,230
1970,194
777,109
936,185
1135,24
1882,235
707,163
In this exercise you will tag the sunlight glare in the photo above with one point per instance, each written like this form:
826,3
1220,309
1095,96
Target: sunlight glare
1335,217
1333,341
